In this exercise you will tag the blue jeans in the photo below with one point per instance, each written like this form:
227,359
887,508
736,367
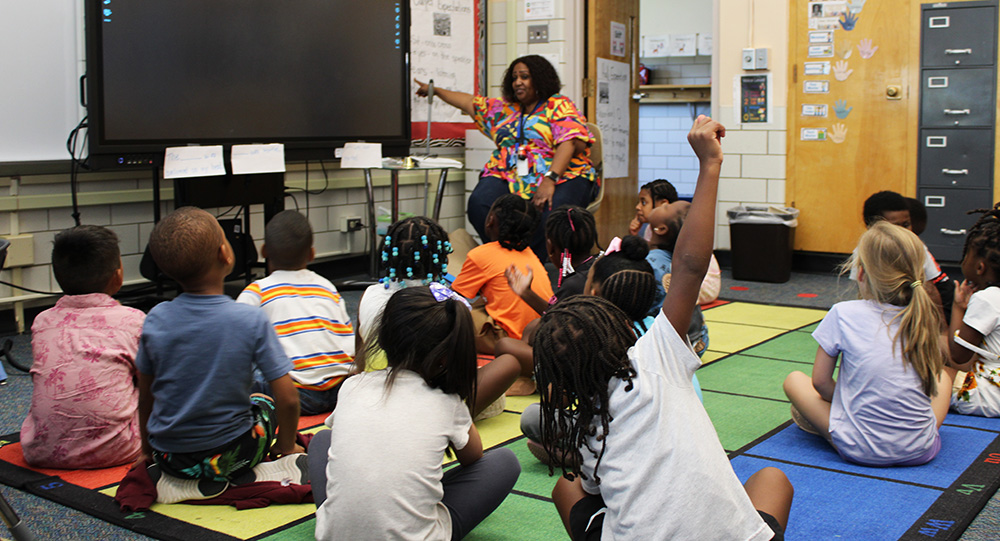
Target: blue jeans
311,401
578,191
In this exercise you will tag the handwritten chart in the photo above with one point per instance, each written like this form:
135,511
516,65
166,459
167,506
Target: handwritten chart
442,48
613,83
193,161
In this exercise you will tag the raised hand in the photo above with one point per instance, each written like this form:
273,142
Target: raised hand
848,21
705,138
840,71
845,49
838,133
519,283
841,109
963,292
865,48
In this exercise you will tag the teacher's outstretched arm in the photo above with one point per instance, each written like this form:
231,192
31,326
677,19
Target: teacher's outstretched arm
459,100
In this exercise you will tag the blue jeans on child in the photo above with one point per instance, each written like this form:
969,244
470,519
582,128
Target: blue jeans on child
311,401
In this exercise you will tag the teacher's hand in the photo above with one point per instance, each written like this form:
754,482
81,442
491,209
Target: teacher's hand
421,88
543,195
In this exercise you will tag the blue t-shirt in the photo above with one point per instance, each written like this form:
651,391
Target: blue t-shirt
660,260
200,351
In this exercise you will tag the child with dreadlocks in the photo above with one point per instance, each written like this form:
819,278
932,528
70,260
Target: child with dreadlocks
891,394
975,321
415,253
644,461
409,416
622,276
509,225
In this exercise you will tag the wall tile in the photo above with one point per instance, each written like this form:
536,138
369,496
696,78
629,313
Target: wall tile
746,142
742,189
765,167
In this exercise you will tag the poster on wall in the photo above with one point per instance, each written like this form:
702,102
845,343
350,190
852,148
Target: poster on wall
613,101
683,44
754,98
617,39
656,46
539,9
443,48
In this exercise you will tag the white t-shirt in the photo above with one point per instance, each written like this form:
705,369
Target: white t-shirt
408,427
373,302
983,315
931,269
880,414
664,474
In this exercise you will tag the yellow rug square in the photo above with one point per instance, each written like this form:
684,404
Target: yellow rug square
732,337
760,315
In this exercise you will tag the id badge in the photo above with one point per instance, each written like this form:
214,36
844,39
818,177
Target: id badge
522,167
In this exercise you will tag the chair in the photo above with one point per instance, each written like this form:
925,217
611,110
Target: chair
597,156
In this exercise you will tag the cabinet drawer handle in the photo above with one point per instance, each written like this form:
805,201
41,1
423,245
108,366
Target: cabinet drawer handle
958,51
957,112
955,171
945,231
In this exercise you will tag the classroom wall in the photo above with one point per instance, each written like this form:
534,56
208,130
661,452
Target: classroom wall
39,206
674,17
754,168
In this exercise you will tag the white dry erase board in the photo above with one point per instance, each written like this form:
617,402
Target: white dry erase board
41,63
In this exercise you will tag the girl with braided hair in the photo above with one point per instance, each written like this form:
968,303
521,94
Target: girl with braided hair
891,394
415,253
502,312
975,321
409,416
643,460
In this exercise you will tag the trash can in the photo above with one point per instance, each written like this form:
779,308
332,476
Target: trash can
761,242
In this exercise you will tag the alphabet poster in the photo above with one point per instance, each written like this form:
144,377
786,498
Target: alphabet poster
613,84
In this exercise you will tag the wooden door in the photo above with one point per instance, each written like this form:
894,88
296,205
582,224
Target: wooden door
619,54
868,135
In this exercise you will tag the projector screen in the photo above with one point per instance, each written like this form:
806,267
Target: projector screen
312,74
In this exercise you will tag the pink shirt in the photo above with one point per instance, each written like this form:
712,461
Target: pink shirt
84,406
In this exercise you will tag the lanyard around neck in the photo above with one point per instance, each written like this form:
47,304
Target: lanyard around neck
520,134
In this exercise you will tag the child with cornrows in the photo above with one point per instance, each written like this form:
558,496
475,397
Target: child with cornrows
415,253
891,394
627,414
975,321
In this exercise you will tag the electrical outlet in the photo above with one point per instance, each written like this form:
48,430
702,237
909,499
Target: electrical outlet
350,224
538,33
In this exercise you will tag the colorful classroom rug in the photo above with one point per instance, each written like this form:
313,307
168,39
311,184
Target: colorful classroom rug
752,348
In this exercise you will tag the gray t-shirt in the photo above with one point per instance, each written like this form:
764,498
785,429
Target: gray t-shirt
384,467
201,351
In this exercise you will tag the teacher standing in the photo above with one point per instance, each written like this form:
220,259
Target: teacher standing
543,146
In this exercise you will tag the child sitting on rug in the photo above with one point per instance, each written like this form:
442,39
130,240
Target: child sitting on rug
510,224
408,416
893,208
629,418
307,313
665,223
891,394
975,321
84,402
656,194
415,252
196,361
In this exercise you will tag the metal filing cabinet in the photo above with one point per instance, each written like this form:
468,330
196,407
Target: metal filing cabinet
957,119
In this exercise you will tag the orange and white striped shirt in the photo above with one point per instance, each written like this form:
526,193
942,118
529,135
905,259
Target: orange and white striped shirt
312,324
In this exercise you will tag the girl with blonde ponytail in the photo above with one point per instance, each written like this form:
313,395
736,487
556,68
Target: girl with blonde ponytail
891,395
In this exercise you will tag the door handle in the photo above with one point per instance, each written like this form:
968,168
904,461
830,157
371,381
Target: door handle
957,112
958,51
955,171
946,231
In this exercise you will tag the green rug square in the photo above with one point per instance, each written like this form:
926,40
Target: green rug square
749,376
793,346
740,420
304,531
534,478
809,328
522,518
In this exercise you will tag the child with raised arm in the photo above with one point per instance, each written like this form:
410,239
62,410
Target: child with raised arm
974,338
307,312
84,401
409,416
891,395
196,361
643,457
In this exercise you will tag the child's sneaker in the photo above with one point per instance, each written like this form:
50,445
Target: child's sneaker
170,489
287,470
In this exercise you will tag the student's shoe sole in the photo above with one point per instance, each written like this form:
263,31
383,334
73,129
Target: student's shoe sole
802,423
170,489
287,470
